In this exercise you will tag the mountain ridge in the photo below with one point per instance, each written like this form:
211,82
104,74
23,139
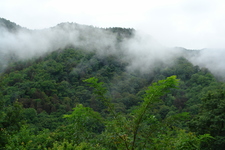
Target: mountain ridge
43,81
22,43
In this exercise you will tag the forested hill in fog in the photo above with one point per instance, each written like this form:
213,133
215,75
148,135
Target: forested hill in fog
18,43
8,25
81,87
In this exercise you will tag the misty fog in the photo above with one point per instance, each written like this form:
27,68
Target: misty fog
141,51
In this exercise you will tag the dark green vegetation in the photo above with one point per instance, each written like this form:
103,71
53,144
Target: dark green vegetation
75,99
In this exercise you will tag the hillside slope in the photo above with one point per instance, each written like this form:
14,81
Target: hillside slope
38,89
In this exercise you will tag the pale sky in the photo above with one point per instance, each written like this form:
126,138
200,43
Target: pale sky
193,24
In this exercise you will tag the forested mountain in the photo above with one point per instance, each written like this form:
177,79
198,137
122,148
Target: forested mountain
8,25
84,87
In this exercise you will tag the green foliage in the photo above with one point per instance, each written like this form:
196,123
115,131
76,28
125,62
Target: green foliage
11,122
189,141
100,92
211,119
85,122
140,129
123,113
26,139
65,145
152,96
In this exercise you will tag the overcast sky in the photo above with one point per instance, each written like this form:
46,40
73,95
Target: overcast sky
193,24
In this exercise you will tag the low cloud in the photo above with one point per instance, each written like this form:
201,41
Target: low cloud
30,43
142,52
212,59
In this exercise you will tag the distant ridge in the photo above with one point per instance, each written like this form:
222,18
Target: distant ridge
10,26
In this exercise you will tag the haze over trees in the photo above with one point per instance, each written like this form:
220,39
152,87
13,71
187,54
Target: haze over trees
81,87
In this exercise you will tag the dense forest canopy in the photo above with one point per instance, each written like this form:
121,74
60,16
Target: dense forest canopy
81,87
